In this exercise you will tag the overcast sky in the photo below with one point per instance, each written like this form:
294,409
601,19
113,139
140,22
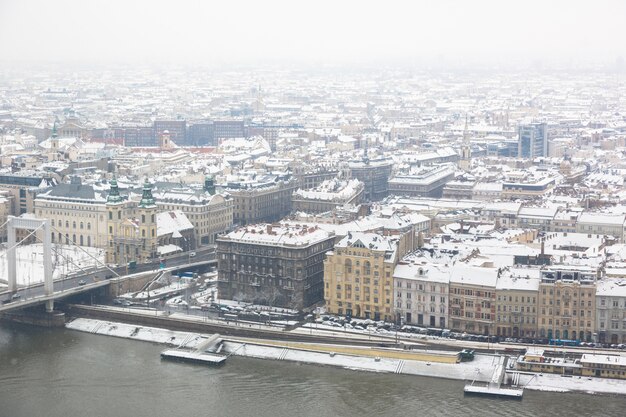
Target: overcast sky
314,31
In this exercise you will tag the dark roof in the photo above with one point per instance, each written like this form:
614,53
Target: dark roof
81,191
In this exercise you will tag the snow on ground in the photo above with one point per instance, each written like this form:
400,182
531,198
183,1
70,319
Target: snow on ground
161,292
176,301
129,331
480,369
67,259
206,296
558,383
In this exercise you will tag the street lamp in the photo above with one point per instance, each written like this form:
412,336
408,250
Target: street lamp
397,320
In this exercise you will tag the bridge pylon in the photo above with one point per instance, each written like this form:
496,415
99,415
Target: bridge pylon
31,224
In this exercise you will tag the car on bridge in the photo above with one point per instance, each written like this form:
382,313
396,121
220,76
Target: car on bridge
82,282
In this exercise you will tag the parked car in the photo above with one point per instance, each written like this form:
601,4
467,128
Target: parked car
82,282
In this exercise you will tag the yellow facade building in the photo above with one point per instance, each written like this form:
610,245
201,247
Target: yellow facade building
358,276
131,229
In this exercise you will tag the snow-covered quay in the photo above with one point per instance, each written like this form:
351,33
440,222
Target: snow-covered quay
480,369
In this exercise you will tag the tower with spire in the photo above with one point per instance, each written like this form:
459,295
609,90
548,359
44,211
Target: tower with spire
147,211
115,208
466,150
53,153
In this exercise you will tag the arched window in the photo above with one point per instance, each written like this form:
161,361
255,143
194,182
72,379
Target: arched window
52,222
143,233
81,225
348,266
110,215
81,240
73,225
88,240
88,226
366,268
67,239
73,238
152,232
52,236
67,224
143,218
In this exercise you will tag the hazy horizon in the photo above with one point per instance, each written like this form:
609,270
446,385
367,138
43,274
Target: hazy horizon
347,33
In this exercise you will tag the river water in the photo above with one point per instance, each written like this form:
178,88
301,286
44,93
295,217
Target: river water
58,372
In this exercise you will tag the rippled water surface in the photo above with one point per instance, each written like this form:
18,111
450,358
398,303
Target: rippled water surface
65,373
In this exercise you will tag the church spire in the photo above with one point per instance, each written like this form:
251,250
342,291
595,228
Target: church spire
114,193
146,198
466,149
54,130
466,132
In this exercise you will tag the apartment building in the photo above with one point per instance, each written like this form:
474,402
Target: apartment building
328,195
567,303
374,174
611,311
421,294
279,265
517,291
423,182
210,212
264,198
358,275
472,298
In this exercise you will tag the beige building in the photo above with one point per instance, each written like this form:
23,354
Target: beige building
421,293
601,224
77,213
265,199
517,291
358,276
210,213
567,303
473,298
